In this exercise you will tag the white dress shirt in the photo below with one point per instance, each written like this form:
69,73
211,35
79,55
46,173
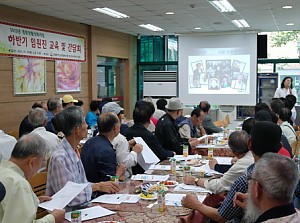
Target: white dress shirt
7,144
224,183
50,138
124,155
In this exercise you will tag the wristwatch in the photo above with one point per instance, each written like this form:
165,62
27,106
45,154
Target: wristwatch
196,181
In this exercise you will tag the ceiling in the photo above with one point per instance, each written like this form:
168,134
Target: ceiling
262,15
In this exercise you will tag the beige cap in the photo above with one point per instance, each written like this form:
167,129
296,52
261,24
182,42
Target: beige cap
68,99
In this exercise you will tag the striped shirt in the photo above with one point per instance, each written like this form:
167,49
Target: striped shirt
65,166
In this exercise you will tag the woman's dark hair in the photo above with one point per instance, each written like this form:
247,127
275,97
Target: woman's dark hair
285,114
284,79
94,105
161,104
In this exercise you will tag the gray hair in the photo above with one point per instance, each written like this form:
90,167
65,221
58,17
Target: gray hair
238,142
37,117
53,103
278,176
30,145
68,119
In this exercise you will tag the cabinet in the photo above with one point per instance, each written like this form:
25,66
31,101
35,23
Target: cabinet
267,84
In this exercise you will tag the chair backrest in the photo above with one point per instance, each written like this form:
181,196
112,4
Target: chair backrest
227,118
15,133
38,184
219,123
296,145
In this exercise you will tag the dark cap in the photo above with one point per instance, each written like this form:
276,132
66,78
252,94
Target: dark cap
266,137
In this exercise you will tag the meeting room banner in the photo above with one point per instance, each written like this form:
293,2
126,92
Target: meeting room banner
24,41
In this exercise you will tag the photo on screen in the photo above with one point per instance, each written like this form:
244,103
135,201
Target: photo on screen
218,68
199,76
237,67
214,84
240,82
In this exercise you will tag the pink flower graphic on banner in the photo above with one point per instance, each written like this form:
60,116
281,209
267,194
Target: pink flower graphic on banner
68,76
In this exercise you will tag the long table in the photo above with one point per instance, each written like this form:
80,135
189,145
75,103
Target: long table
144,211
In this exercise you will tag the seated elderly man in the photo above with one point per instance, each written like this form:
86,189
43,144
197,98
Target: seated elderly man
189,127
65,164
98,155
141,117
54,106
238,144
121,145
20,203
265,137
166,130
207,122
38,120
271,188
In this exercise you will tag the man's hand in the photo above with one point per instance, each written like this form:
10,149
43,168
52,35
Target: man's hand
240,199
212,163
194,142
138,148
234,159
44,198
120,170
107,187
190,201
59,215
189,180
131,143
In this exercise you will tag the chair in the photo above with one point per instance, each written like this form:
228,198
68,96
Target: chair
227,119
38,184
296,145
14,133
219,123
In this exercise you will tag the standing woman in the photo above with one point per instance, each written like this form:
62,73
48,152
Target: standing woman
285,89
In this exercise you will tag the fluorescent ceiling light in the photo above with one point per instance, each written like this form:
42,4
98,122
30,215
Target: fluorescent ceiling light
170,13
111,12
287,7
290,24
197,28
240,23
151,27
222,5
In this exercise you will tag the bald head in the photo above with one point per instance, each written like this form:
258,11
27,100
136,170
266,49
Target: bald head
107,121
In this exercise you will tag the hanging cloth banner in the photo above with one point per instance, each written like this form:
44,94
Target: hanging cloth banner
24,41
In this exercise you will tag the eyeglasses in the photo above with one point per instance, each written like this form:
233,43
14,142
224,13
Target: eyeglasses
249,177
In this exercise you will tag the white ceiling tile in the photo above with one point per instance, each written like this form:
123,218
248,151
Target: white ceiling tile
265,15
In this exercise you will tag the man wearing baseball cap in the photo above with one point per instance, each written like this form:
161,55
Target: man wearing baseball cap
167,131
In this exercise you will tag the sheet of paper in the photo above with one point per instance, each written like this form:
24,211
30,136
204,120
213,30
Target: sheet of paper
175,199
206,170
150,177
147,156
64,196
223,160
132,199
202,137
116,198
91,213
109,199
192,188
162,167
181,158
